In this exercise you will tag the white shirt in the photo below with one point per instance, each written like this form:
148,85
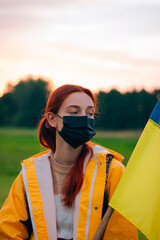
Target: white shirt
64,219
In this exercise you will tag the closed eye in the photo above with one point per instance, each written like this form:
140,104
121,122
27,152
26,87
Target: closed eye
74,112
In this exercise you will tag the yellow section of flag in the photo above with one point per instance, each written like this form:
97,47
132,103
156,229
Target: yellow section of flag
137,196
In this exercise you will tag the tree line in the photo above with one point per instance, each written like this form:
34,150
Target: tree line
125,111
24,104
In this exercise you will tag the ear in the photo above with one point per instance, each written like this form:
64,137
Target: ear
51,118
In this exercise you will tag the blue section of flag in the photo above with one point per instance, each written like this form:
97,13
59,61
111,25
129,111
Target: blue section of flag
155,115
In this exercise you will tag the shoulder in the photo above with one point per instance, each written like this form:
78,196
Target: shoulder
116,165
40,156
116,170
104,151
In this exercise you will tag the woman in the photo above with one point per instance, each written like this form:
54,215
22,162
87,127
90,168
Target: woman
62,193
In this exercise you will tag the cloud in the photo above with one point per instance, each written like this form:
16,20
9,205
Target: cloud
7,4
135,2
108,40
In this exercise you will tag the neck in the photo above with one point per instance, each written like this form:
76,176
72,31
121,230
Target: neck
64,153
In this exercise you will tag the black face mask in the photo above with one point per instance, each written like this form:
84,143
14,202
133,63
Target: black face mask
77,130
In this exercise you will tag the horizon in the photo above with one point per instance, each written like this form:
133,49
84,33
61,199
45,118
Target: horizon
11,85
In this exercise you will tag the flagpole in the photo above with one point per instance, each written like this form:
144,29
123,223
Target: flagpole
100,231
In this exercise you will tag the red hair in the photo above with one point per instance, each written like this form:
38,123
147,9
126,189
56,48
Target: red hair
47,137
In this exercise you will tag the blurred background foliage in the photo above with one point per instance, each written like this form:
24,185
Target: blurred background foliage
23,104
125,111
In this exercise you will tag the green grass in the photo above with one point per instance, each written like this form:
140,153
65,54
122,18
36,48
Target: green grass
16,145
19,144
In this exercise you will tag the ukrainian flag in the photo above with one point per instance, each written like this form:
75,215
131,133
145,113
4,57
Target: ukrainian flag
137,196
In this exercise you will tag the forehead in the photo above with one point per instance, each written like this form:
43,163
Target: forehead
80,99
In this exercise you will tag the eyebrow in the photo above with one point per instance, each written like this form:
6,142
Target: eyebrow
76,106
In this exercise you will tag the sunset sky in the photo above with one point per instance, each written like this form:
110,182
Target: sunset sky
99,44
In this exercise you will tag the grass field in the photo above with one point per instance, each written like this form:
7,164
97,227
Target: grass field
19,144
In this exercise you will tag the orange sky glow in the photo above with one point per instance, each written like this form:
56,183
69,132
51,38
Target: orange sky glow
100,44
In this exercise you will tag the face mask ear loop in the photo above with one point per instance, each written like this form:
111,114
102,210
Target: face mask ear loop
58,116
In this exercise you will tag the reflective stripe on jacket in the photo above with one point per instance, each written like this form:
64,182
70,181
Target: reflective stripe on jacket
33,190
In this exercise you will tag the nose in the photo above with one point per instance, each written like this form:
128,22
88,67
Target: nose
83,113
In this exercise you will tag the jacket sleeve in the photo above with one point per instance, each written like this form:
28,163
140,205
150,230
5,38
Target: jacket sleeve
14,214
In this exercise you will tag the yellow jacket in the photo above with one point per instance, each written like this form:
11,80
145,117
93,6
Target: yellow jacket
32,196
